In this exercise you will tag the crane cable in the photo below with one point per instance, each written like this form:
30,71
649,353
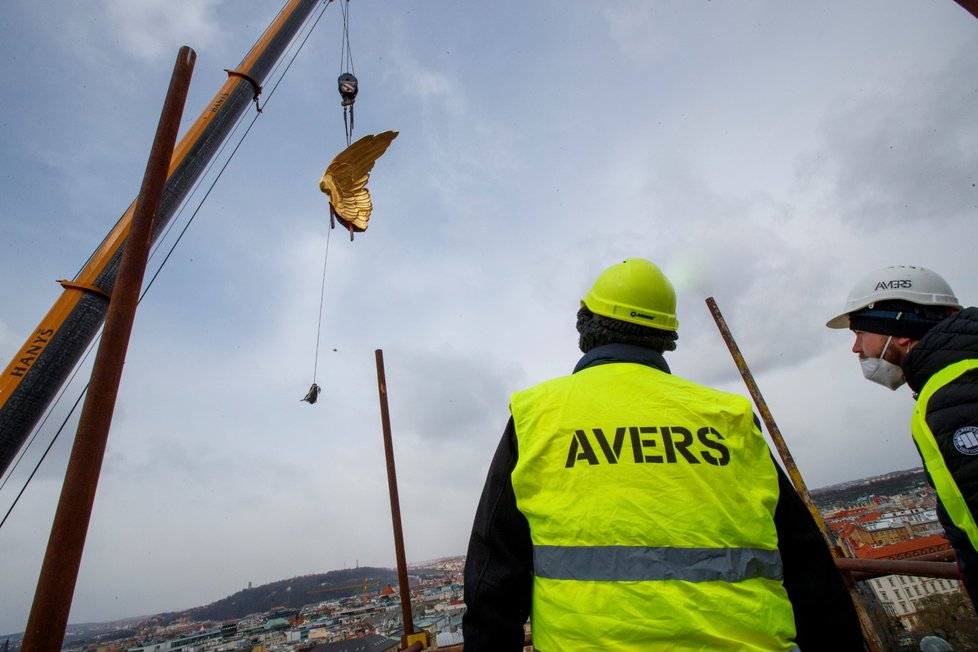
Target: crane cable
322,299
159,269
347,79
348,86
314,390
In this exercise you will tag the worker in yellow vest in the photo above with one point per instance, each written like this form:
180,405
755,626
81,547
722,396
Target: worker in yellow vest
630,509
909,328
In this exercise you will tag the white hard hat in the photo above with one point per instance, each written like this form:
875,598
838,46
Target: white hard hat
901,283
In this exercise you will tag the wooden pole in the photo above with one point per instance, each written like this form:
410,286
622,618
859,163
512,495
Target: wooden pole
768,418
971,6
402,577
52,602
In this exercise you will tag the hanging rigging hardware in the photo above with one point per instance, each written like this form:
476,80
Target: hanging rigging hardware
347,83
348,86
85,287
345,181
251,80
313,395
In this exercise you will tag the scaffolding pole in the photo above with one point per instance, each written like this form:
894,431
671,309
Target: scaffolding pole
869,633
59,572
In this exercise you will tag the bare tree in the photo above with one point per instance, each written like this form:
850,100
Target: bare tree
952,617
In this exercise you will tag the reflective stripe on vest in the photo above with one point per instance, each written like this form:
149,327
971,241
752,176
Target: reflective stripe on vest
640,563
650,501
947,489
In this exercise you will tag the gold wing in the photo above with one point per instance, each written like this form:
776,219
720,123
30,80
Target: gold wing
345,180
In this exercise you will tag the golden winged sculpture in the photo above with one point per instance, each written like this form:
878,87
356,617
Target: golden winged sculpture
345,180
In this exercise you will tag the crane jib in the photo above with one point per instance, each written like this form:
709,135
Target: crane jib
41,366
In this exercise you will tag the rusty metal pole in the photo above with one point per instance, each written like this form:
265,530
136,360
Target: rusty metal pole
59,572
766,416
402,577
869,568
971,6
869,634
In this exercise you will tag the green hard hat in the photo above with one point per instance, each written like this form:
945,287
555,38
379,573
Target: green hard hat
636,291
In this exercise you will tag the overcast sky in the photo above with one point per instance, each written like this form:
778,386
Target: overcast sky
765,153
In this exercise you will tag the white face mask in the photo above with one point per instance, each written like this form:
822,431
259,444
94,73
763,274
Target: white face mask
883,372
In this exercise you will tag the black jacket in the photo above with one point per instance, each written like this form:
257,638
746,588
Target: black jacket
499,563
953,407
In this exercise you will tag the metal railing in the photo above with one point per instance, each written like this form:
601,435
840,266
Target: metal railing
936,564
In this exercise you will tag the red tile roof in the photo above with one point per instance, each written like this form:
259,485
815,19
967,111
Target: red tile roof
904,549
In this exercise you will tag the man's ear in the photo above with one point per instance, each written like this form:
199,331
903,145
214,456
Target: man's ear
904,344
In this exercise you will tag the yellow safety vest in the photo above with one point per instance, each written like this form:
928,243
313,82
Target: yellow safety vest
947,489
650,501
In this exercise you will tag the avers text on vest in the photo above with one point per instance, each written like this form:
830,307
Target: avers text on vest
650,445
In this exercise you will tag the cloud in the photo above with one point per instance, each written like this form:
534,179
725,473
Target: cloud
831,438
148,29
907,155
449,395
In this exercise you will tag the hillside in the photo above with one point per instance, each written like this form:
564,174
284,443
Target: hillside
290,594
888,484
295,592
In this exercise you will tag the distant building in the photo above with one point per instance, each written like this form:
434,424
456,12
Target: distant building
449,638
895,527
188,642
900,594
370,643
874,529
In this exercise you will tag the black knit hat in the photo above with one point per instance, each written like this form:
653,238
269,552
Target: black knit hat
898,318
596,330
